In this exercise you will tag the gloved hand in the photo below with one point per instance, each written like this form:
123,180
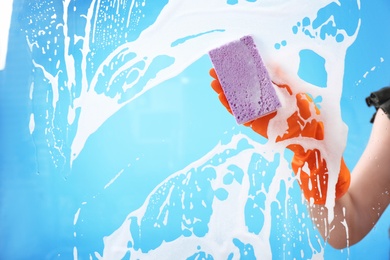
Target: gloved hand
308,165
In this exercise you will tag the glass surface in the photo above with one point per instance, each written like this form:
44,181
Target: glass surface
114,145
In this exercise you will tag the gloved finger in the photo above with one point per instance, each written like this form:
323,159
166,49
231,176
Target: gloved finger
260,125
213,73
284,86
216,85
303,103
248,124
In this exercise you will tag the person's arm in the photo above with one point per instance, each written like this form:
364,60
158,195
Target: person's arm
356,213
360,202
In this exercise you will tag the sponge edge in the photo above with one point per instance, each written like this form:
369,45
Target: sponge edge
244,80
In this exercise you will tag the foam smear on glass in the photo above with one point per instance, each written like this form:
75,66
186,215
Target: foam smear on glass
184,32
214,232
227,220
225,204
5,24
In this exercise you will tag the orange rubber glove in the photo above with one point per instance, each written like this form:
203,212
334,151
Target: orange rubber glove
314,183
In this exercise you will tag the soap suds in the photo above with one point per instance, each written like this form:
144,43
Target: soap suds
87,96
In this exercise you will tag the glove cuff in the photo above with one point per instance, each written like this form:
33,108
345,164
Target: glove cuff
343,181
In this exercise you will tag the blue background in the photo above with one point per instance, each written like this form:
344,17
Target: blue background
39,199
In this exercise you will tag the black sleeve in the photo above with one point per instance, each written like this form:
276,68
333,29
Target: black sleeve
380,99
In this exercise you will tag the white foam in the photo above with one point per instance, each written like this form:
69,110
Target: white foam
247,18
31,124
222,226
211,24
75,254
223,23
179,20
113,179
76,216
5,24
367,73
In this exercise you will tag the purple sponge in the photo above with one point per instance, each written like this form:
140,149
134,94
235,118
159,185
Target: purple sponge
244,80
